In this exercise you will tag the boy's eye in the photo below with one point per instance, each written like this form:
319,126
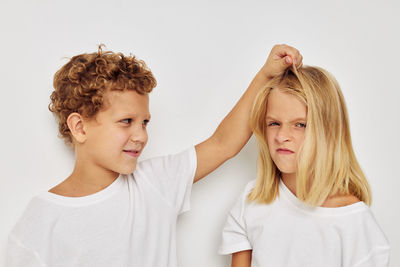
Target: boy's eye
301,125
127,121
145,122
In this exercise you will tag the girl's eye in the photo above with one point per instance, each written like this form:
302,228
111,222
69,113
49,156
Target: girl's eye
301,125
273,124
127,121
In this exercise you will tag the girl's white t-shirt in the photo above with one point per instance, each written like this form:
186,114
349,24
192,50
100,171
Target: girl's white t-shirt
132,222
289,233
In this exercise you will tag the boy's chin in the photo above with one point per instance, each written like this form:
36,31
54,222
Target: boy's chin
128,170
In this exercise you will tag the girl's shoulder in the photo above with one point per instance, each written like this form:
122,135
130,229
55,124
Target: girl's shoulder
242,202
340,201
249,186
251,209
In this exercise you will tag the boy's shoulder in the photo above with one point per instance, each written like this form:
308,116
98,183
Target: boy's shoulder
33,218
47,209
167,165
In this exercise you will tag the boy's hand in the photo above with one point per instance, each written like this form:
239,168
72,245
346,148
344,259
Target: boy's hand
234,131
280,58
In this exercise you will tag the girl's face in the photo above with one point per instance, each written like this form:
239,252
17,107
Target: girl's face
286,123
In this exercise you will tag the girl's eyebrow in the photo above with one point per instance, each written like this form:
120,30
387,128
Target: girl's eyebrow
299,119
296,119
271,118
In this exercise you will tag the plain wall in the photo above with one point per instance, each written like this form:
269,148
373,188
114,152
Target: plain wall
203,54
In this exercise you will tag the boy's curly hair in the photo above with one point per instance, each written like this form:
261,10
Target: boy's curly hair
80,84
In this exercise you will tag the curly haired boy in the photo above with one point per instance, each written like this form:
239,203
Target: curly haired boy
113,210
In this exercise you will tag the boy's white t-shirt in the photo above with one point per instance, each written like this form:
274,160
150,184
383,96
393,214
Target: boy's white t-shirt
289,233
132,222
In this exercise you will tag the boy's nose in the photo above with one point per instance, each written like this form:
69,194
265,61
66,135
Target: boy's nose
139,135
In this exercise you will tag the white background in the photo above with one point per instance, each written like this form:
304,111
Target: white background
203,54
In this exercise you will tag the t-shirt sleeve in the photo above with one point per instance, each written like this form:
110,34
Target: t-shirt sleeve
18,255
171,176
234,233
366,243
379,257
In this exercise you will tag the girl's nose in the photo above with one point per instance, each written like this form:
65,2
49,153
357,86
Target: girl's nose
284,134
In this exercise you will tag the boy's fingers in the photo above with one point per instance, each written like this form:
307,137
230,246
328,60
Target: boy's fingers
284,50
287,61
290,54
295,54
281,57
300,62
296,58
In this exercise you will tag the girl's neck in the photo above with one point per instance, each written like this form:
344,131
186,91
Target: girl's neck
289,179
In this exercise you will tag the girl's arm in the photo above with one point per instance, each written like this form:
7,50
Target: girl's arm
234,131
241,259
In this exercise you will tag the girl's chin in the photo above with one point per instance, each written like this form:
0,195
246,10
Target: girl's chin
287,171
285,167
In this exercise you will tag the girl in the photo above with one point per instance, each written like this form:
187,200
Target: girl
309,203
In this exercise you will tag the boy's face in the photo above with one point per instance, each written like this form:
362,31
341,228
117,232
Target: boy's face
286,123
117,135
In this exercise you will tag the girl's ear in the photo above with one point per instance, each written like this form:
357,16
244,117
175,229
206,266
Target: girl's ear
75,125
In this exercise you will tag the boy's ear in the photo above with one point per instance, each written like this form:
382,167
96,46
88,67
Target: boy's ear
75,125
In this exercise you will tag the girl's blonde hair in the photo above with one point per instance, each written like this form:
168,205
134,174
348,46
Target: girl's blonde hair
326,163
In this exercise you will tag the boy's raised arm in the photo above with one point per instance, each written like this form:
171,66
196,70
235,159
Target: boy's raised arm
234,130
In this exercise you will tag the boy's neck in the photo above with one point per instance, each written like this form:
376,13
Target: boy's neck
86,179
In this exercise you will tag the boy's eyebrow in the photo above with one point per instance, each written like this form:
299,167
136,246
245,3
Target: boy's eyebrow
148,116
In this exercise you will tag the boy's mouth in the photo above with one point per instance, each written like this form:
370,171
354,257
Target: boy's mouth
132,152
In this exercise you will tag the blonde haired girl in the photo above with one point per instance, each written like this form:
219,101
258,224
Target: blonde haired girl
309,203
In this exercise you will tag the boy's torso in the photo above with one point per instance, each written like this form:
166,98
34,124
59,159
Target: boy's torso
130,223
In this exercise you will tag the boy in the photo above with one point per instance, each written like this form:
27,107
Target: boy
113,211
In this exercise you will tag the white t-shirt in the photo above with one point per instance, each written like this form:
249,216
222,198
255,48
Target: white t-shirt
289,233
132,222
